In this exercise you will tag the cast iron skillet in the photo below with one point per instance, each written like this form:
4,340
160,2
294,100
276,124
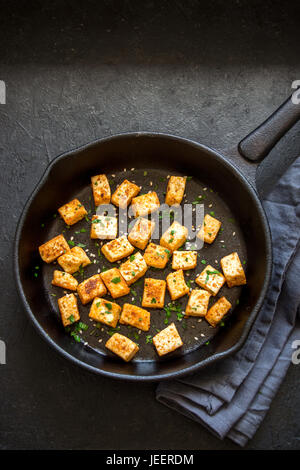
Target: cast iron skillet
154,156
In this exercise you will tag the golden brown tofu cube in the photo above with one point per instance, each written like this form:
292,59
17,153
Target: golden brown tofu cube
72,212
218,311
91,288
101,190
167,340
105,312
73,260
176,284
174,237
104,227
184,260
53,248
157,256
198,303
68,309
141,233
175,190
64,280
135,316
211,279
122,346
117,249
233,270
124,193
145,204
154,293
134,268
209,229
115,283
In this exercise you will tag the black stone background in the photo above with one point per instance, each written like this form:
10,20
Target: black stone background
76,71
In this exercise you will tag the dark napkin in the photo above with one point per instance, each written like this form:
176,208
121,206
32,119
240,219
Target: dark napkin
231,397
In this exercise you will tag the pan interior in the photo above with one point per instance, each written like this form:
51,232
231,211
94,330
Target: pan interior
148,162
194,332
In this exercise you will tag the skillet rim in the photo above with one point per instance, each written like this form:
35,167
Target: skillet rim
190,369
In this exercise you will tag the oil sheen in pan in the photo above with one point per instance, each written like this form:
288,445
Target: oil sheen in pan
193,332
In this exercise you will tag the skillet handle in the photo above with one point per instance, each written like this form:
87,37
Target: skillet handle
256,145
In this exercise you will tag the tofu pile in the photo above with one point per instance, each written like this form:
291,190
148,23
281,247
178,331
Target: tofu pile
126,250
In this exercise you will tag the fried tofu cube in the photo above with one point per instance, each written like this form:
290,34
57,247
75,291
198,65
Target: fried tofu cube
124,193
115,283
167,340
117,249
72,212
122,346
145,204
53,248
211,280
218,311
134,268
73,260
233,270
91,288
175,190
157,256
176,284
105,312
135,316
104,227
64,280
198,303
174,237
154,293
101,190
141,233
209,229
184,260
68,309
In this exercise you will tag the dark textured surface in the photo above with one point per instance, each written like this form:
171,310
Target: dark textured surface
207,72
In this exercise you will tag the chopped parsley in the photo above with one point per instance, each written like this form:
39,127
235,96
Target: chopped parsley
148,339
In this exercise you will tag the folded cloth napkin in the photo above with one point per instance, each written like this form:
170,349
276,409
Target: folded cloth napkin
231,397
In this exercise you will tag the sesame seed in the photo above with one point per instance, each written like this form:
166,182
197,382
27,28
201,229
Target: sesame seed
132,169
204,189
100,340
233,234
195,337
202,335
